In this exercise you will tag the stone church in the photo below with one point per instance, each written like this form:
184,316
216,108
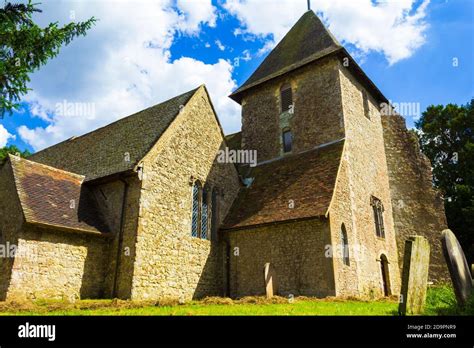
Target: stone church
144,209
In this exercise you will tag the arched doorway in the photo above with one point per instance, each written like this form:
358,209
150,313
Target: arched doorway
385,275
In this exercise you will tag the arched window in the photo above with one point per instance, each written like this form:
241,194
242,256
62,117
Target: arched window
345,246
286,96
378,209
195,221
214,214
287,140
205,213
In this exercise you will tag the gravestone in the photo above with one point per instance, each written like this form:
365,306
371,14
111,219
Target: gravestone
416,263
270,283
458,267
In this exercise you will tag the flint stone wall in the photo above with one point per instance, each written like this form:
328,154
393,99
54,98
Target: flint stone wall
296,253
418,209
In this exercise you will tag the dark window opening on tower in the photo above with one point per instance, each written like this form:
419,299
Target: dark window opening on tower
287,141
286,98
366,104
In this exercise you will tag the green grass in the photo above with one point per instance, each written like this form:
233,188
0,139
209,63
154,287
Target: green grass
298,307
440,301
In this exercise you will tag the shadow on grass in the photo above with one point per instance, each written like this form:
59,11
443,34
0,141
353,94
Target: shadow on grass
441,300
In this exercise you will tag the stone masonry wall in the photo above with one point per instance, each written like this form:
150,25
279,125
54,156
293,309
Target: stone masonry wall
58,265
367,175
11,221
418,209
342,212
120,265
170,263
317,117
295,251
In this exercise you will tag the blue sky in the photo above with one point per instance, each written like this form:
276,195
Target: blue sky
140,54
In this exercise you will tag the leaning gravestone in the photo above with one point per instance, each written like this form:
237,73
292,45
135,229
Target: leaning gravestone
416,262
270,284
458,267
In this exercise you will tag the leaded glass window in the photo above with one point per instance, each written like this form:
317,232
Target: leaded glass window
378,209
195,223
204,214
345,245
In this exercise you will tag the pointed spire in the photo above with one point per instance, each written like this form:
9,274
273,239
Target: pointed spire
306,41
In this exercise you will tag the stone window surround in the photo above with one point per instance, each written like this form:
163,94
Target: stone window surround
284,88
345,246
196,184
378,210
210,208
366,104
284,131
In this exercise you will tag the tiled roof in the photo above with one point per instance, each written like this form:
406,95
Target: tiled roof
306,179
116,147
307,41
55,198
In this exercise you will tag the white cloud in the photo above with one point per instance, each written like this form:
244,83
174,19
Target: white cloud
4,136
220,45
123,66
395,28
197,12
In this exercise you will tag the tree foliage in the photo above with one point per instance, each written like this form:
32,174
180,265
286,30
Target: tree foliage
24,47
12,149
447,138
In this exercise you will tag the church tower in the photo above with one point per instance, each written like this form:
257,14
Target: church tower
293,101
307,96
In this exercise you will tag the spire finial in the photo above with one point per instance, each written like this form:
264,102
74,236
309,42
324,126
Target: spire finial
309,5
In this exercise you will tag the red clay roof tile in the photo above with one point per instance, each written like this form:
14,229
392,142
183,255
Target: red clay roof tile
55,198
306,179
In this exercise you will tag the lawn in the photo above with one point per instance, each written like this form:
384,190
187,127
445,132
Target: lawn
440,300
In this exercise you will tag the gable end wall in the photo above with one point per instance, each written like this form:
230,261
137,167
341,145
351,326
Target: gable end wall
170,263
11,221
